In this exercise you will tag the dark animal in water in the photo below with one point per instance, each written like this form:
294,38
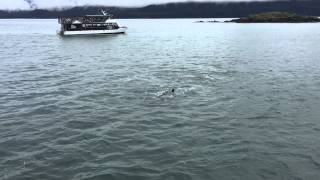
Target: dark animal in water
168,92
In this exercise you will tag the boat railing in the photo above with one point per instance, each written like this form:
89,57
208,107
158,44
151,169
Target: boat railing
83,20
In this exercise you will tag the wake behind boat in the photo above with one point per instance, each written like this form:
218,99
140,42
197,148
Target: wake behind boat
90,24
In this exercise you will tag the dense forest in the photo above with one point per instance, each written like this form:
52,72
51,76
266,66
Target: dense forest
180,10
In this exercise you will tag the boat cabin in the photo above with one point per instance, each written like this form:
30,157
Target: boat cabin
89,22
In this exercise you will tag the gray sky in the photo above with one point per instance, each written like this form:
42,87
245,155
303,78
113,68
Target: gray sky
23,4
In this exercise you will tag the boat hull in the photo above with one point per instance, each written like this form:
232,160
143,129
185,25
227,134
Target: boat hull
89,32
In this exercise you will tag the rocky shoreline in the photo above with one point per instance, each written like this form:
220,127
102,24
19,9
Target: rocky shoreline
276,17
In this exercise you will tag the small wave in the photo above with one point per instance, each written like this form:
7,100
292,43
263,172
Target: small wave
191,90
80,124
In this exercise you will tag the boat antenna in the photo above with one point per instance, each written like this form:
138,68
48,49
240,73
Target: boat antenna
104,12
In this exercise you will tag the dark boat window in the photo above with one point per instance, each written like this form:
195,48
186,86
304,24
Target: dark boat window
97,26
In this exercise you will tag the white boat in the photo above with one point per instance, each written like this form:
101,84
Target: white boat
90,24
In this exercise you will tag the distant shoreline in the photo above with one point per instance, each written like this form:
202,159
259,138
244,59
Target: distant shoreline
142,18
201,20
176,10
276,17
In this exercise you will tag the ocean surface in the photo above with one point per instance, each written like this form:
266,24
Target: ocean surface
246,104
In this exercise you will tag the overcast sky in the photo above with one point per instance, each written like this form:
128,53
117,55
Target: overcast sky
23,4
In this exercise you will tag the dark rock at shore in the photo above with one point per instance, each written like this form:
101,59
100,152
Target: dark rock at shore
276,17
199,22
